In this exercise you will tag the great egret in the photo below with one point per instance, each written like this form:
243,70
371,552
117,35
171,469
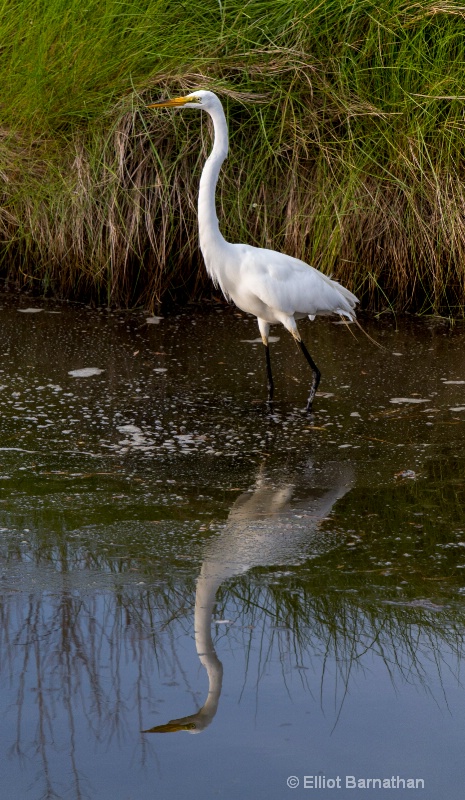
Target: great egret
272,286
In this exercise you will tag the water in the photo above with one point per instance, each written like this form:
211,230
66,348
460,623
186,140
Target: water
175,559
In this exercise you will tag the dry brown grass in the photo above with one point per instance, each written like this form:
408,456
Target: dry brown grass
347,140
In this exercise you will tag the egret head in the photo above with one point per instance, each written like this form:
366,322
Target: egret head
200,99
186,724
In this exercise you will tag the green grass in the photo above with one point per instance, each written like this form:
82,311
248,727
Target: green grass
347,123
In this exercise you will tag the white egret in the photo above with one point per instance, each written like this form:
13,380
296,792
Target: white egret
274,287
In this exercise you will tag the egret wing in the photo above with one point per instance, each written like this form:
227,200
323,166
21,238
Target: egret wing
291,286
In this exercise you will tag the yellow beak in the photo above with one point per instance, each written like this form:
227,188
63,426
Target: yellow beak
172,727
175,101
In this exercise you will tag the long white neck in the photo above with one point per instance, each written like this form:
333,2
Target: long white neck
209,230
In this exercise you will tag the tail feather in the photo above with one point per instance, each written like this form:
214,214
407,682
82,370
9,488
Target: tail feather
349,314
348,300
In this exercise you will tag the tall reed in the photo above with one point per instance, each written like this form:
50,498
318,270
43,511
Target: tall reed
347,144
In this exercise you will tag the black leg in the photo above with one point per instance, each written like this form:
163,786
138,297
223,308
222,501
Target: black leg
316,375
269,374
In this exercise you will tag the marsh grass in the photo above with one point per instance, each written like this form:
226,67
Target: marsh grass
347,130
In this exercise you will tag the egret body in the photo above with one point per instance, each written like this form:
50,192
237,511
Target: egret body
272,286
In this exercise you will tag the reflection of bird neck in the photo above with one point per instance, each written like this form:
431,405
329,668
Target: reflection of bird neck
209,231
207,586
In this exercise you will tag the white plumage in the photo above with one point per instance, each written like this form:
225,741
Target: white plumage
272,286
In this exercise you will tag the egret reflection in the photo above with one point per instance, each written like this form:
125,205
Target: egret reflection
265,528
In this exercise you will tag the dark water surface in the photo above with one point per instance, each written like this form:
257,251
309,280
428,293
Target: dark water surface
176,560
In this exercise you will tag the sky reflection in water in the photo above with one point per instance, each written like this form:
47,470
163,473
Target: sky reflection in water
174,558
